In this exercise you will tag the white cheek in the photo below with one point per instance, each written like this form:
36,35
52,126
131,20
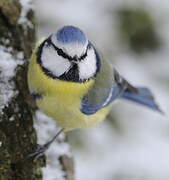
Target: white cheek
53,62
87,67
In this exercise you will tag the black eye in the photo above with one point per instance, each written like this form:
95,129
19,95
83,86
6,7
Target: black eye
85,54
60,52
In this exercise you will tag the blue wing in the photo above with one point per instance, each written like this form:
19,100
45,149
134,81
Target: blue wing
90,108
144,97
101,96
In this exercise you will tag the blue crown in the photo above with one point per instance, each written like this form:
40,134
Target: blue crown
71,34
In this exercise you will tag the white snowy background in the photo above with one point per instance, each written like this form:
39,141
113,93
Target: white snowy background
137,146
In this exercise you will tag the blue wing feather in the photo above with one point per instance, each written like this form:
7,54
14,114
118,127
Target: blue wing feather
143,97
89,108
120,89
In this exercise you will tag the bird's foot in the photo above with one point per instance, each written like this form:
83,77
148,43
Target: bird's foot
43,148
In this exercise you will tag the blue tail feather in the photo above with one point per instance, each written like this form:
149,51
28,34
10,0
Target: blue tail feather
143,97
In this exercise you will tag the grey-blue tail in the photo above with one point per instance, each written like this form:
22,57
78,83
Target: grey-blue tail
142,96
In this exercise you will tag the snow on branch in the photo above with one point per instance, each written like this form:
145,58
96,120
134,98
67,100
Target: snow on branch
8,65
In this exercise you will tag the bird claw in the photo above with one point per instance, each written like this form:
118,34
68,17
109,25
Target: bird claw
41,149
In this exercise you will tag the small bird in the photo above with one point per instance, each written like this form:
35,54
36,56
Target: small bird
72,83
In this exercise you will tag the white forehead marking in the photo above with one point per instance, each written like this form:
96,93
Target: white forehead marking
88,67
71,49
53,62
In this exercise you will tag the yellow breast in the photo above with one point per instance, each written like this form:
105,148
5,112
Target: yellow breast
62,99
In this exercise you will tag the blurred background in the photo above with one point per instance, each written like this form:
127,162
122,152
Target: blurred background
133,143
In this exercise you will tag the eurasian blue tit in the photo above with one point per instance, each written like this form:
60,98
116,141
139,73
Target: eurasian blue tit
72,83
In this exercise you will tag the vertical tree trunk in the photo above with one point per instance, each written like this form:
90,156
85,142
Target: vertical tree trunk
17,135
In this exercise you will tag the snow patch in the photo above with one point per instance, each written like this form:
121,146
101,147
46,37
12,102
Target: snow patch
11,118
27,5
8,65
46,129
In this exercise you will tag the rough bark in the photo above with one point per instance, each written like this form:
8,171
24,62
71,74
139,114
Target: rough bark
17,134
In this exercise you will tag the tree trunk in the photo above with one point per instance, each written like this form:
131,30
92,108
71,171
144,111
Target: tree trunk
17,134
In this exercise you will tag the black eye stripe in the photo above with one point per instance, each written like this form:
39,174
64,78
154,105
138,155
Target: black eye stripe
66,56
